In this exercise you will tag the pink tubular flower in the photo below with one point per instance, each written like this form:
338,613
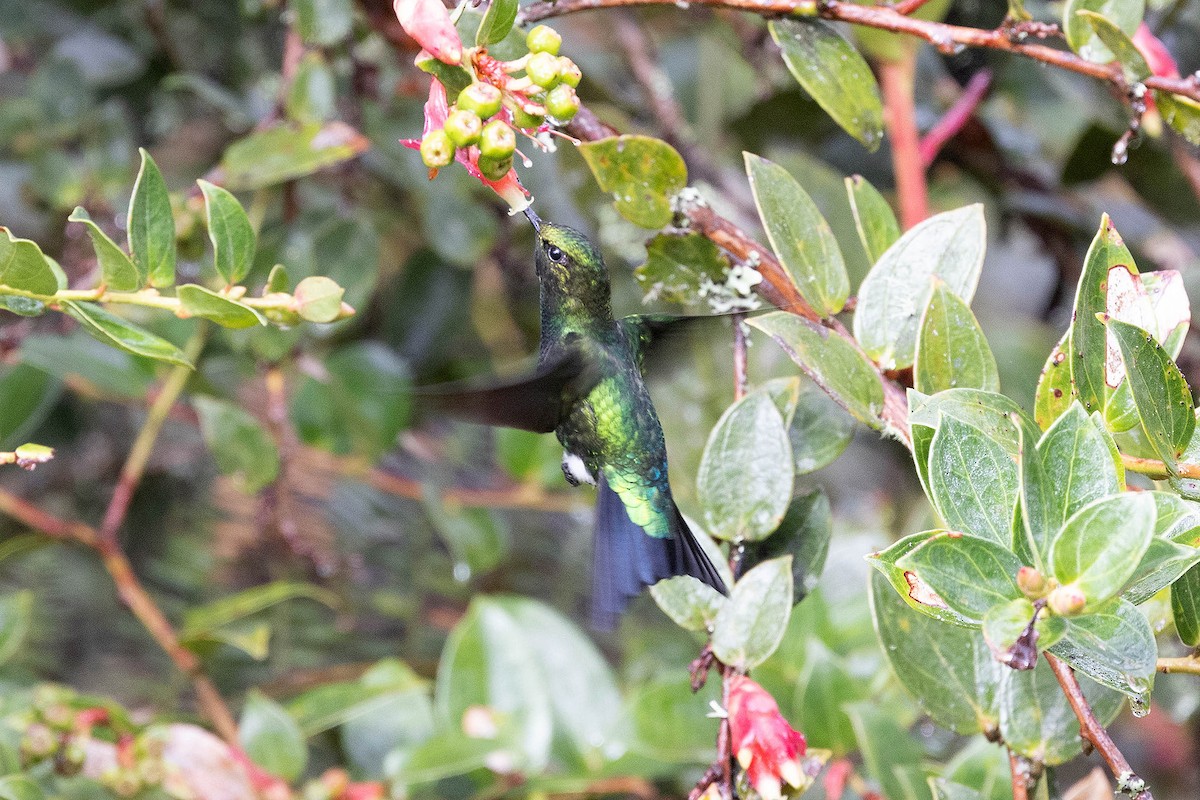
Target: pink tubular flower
1158,58
509,187
766,746
428,23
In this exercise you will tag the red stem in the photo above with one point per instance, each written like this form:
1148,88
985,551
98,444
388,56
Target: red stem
956,117
896,82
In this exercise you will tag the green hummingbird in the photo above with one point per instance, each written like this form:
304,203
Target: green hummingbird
588,389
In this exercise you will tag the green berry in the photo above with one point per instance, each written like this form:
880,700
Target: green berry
437,150
569,72
463,127
482,98
495,168
562,103
542,69
497,141
526,120
543,39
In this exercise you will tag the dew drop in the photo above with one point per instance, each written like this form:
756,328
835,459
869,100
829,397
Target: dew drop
462,572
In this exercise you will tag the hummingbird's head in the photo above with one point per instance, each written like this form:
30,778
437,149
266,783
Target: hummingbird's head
568,261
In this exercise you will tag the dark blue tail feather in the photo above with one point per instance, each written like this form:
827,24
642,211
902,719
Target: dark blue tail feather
626,560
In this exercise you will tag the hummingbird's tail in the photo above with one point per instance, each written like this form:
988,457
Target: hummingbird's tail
626,559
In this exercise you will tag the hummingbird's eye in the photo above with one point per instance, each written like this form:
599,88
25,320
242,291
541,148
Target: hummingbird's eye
554,254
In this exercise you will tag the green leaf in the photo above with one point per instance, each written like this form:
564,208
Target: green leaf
241,446
887,749
1181,113
1088,343
1078,464
201,302
477,538
895,292
311,97
117,272
972,481
952,351
745,478
23,265
88,363
1100,546
230,231
1185,607
319,299
799,235
1160,392
1006,629
202,620
1133,63
947,668
834,74
117,332
271,738
1115,647
151,225
692,605
19,787
983,767
497,22
669,719
323,22
824,689
969,573
803,534
915,592
641,172
832,361
820,429
1161,566
877,226
751,624
1054,390
16,612
676,266
288,151
1124,15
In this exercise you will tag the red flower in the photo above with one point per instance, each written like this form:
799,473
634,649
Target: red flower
766,746
428,22
509,187
1156,54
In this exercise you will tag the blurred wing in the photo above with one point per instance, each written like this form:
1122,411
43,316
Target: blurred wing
654,336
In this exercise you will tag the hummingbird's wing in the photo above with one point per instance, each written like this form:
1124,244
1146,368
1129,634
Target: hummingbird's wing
530,402
655,337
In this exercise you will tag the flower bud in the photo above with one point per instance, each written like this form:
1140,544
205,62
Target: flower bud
495,168
428,22
482,98
767,748
542,69
569,72
562,103
1066,601
437,150
463,127
543,39
497,141
1032,583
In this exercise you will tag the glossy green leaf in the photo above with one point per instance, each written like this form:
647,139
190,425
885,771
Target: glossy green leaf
641,172
151,225
799,235
27,397
1160,392
972,481
204,619
751,624
117,272
81,359
477,538
271,738
834,74
240,444
497,22
1115,647
16,611
676,267
914,591
1181,113
1078,464
952,351
312,95
20,787
1185,606
1124,15
895,292
820,429
117,332
877,226
745,478
323,22
1133,63
387,684
1006,629
832,361
400,716
1100,546
969,573
1165,560
202,302
285,152
23,265
690,604
947,668
803,534
824,688
230,231
983,767
1088,349
1054,389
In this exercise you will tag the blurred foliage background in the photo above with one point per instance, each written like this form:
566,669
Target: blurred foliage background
383,522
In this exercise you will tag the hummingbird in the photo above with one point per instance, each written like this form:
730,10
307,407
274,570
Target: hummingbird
588,388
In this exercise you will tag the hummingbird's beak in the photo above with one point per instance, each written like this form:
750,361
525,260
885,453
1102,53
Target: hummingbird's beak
534,220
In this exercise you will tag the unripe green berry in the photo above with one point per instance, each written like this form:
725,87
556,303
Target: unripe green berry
495,168
569,72
463,127
497,141
525,119
482,98
437,150
542,69
543,39
562,103
70,760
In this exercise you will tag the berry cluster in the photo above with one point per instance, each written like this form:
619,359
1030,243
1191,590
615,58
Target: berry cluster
489,112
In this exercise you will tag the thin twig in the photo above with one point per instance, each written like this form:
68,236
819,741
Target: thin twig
1183,665
896,83
1019,768
955,117
1158,470
1094,732
907,7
